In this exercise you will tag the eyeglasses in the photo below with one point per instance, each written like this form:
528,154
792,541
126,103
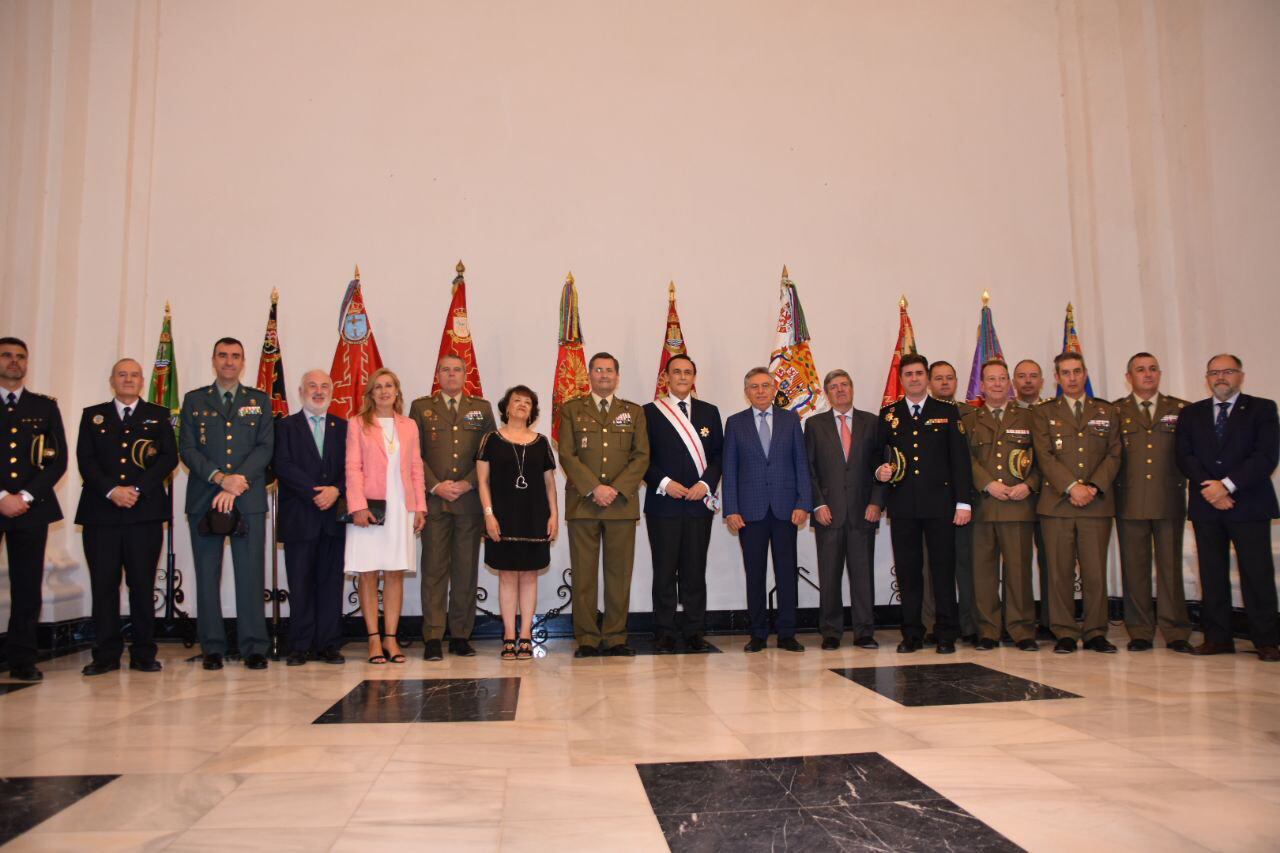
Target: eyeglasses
1230,371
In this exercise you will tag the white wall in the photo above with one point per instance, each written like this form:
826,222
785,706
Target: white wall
1115,154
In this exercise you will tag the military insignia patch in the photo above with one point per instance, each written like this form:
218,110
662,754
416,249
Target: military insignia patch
960,426
98,419
705,432
584,441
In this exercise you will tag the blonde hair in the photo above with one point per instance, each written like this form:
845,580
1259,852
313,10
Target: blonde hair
368,407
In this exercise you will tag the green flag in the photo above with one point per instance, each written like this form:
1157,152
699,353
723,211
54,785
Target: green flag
164,376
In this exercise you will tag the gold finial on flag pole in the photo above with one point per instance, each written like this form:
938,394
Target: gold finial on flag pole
166,308
460,268
671,292
986,298
784,271
357,272
275,295
902,303
569,278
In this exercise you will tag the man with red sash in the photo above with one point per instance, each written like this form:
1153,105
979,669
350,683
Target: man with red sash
686,440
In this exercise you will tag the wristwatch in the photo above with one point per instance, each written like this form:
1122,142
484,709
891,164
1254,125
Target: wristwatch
488,510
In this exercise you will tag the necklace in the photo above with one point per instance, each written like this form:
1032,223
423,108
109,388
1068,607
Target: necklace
389,437
521,482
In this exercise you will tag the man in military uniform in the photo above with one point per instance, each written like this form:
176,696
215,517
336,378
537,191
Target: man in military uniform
1151,510
1028,382
1005,475
942,386
34,461
604,449
227,438
450,427
1077,446
926,463
126,452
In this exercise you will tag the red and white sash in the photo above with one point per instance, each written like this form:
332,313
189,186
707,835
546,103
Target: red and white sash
684,429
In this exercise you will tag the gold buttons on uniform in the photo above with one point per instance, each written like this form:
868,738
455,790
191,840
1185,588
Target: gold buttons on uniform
915,458
228,464
1081,464
455,456
1149,446
228,451
13,459
1148,476
228,436
123,460
916,471
604,430
604,459
999,467
606,444
124,444
999,455
455,429
1080,434
228,424
1148,461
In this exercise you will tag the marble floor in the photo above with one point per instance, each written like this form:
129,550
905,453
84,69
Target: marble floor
839,750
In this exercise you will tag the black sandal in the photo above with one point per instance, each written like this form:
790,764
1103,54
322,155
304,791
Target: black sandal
508,650
394,658
379,658
525,649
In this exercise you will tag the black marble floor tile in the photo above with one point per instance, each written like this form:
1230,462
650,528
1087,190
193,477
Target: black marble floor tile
26,801
13,687
644,644
949,684
431,700
809,803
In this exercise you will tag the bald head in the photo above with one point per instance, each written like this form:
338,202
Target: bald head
126,380
316,391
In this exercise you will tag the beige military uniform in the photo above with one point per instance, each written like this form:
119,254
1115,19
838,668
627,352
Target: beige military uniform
1077,449
1151,511
1003,531
450,437
1042,562
602,448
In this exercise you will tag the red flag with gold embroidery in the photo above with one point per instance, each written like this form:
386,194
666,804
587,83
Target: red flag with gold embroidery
672,342
906,346
271,364
356,357
456,338
571,365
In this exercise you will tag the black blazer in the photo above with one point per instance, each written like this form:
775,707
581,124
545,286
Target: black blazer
1247,456
668,457
141,453
938,472
34,418
843,486
299,469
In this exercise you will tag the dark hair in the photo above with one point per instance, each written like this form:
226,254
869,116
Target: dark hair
523,391
1128,365
1235,358
940,363
14,342
1068,356
913,358
616,367
992,362
220,341
683,356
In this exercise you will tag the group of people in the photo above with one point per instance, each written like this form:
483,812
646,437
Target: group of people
970,492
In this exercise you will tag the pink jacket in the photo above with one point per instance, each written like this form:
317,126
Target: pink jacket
367,465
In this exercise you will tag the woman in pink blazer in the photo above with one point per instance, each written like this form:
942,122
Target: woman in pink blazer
383,464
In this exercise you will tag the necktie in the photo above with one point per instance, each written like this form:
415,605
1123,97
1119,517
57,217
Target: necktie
915,410
1079,409
1146,411
128,410
13,399
604,407
999,413
226,399
846,438
317,432
765,433
1220,425
684,408
453,408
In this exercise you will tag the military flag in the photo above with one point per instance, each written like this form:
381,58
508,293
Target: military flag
571,365
164,375
906,346
456,338
271,364
791,363
987,348
672,342
1071,343
356,357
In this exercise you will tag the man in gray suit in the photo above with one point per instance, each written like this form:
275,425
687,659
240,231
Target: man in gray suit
840,447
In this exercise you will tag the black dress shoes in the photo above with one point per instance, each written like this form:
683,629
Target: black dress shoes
1182,647
790,644
296,659
1100,645
697,644
145,665
98,667
1065,646
1208,648
331,656
585,651
985,644
462,648
26,673
212,661
665,645
906,647
622,650
1269,654
1028,645
829,643
433,650
755,644
255,662
1139,646
971,639
866,643
946,647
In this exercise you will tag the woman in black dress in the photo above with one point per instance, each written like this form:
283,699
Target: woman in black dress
516,472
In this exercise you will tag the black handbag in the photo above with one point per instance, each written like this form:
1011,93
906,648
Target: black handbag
378,509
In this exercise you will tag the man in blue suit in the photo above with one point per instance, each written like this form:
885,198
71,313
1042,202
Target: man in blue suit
1228,446
767,497
686,443
310,464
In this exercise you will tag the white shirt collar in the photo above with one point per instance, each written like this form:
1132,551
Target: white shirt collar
1230,401
596,398
676,401
16,392
919,402
768,413
1071,401
311,416
457,399
133,407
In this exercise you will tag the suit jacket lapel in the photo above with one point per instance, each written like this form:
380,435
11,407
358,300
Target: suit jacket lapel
1232,419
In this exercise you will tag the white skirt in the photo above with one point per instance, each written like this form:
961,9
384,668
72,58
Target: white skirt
388,547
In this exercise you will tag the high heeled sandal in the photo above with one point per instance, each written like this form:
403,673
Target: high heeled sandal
508,650
378,658
524,649
396,658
